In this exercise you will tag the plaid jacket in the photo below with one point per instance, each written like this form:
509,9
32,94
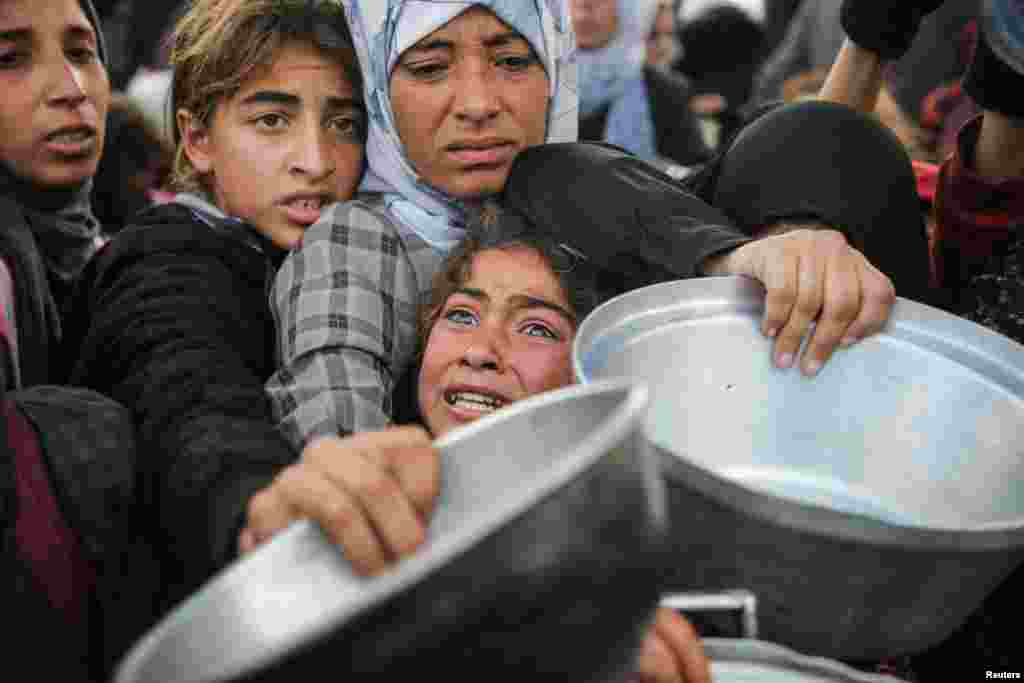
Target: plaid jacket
345,303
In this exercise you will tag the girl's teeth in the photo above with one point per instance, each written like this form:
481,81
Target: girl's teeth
71,138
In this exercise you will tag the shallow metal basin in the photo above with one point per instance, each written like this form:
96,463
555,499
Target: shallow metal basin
871,508
545,555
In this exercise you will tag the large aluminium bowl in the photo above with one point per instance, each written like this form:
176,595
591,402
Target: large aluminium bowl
543,560
869,509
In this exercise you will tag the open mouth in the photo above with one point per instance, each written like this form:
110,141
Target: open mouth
305,209
72,142
71,136
474,401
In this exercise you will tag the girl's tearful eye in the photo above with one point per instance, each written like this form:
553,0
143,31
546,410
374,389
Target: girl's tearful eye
460,316
540,330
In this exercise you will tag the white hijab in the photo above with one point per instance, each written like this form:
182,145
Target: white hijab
382,30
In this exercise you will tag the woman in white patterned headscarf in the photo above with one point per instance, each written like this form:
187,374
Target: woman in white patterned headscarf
384,31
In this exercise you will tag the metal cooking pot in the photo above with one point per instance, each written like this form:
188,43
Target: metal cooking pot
871,508
543,557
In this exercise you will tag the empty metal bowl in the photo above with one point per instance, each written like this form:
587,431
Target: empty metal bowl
543,558
870,508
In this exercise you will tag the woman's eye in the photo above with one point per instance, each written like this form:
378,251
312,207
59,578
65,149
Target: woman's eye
426,70
349,126
271,121
539,330
11,59
460,316
516,62
81,55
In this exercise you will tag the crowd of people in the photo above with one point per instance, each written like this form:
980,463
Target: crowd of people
257,254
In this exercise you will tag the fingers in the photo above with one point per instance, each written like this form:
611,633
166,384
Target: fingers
301,491
814,277
682,640
372,493
841,303
408,454
878,296
672,653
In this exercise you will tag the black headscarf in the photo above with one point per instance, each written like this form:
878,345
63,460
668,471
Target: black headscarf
47,237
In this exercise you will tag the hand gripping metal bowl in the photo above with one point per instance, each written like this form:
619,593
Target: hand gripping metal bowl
871,508
543,558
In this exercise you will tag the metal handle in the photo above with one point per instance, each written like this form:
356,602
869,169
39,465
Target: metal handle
738,600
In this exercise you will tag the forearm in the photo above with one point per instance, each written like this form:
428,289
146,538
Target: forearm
855,78
331,391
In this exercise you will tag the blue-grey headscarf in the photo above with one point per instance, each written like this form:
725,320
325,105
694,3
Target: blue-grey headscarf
382,30
612,76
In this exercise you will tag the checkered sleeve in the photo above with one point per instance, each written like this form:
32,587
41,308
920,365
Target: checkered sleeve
345,304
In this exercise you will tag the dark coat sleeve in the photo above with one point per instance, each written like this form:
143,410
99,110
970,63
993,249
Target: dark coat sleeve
178,334
624,215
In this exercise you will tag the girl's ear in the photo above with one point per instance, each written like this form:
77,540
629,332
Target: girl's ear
195,138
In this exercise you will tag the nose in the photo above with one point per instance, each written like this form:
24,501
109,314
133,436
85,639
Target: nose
476,95
484,351
68,89
312,156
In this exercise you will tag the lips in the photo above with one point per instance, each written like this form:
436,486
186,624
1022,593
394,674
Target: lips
71,140
482,153
304,209
474,402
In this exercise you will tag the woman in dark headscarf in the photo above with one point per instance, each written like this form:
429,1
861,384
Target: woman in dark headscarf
56,94
65,454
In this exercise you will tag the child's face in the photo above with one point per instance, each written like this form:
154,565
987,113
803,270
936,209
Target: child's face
55,92
504,335
283,147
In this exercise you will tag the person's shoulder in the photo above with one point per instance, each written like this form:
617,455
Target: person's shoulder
365,215
168,230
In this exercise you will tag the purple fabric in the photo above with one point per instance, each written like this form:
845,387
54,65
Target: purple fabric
45,540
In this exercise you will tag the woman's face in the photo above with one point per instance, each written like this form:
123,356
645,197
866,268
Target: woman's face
595,22
661,42
504,335
466,100
55,92
283,147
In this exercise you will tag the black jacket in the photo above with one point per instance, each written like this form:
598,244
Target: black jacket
179,330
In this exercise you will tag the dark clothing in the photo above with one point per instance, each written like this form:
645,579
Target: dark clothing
825,163
586,194
78,580
677,134
180,331
978,220
676,129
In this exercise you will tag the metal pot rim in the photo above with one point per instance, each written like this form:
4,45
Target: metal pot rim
631,314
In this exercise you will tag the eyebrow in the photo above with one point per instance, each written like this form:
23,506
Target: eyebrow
77,31
521,301
497,40
294,101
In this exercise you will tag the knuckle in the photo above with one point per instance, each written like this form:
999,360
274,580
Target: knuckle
377,485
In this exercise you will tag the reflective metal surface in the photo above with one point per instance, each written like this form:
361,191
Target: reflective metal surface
755,661
870,508
551,511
